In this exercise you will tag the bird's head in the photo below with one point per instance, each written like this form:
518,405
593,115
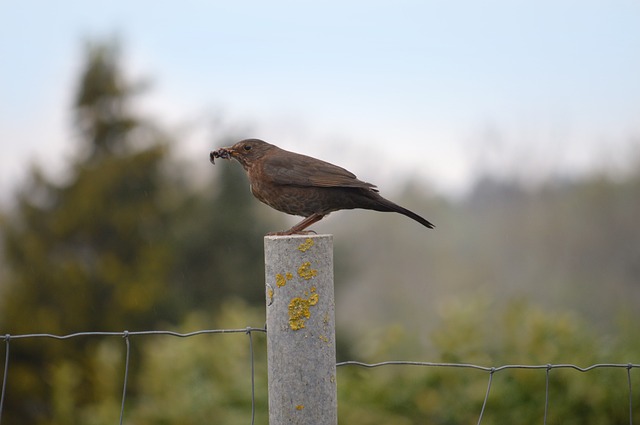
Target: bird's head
245,151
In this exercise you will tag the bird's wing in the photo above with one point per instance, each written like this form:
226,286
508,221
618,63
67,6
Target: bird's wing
301,170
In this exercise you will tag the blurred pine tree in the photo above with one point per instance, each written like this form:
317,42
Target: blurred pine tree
121,244
90,253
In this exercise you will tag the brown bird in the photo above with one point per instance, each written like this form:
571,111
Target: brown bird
301,185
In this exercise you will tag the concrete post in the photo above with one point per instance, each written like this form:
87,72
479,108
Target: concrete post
301,349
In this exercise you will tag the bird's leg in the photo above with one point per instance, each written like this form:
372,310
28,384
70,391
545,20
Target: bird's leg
308,221
298,229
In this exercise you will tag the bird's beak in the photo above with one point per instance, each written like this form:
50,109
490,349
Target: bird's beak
230,150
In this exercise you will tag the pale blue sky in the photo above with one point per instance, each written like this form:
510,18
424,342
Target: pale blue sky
438,88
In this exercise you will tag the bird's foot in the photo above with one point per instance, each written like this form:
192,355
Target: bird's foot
298,229
292,232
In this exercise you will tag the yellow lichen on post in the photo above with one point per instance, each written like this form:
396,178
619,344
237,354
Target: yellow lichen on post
280,280
270,294
300,407
299,311
306,272
304,246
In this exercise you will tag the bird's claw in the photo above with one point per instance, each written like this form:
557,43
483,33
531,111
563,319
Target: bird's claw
292,232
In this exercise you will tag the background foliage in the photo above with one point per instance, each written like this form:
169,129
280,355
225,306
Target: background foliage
512,274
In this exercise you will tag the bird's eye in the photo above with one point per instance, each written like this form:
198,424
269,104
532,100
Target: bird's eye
247,147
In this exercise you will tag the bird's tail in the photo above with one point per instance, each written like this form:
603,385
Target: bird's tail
387,205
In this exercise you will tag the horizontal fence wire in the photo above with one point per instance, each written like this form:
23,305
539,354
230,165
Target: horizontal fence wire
126,335
134,333
488,368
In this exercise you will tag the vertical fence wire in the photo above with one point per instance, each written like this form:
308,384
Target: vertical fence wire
126,374
486,396
4,376
253,381
629,367
546,395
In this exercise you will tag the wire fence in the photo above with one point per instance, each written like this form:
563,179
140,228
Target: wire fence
126,336
492,370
